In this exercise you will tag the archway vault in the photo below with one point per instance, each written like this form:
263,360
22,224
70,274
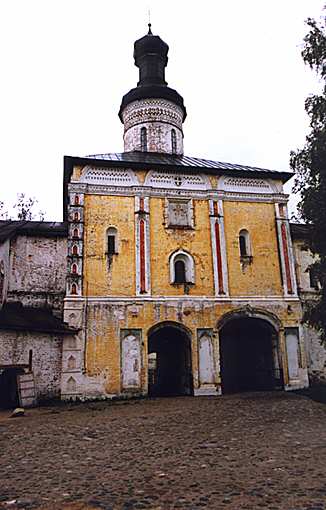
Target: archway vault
250,312
249,350
173,324
169,360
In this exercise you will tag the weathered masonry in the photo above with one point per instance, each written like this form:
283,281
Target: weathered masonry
32,288
170,275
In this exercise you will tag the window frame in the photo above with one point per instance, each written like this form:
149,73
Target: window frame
188,261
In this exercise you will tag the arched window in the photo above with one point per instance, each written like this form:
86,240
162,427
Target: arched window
75,233
180,272
182,268
76,216
74,289
74,269
173,141
76,200
112,241
75,249
143,139
244,243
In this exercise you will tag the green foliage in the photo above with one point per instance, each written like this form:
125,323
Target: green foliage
309,165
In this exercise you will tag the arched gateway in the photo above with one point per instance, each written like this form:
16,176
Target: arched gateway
169,360
249,352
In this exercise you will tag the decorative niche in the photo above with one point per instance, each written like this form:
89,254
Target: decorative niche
179,213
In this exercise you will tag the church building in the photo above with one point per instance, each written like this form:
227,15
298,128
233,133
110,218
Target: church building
181,275
170,274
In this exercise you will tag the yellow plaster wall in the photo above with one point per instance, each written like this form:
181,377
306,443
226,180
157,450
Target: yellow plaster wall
105,322
100,277
164,241
263,276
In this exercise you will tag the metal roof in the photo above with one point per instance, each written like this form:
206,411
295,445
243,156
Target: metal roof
153,158
11,228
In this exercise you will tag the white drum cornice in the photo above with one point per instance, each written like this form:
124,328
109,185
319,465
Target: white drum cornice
149,110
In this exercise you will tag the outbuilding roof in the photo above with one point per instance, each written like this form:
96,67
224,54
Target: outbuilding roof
15,316
12,228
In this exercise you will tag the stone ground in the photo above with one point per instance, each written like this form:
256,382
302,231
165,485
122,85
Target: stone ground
249,451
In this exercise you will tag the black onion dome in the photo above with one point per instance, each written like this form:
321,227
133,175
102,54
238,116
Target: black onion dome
150,45
151,57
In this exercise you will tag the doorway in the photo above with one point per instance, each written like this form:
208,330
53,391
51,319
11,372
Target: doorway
169,361
9,396
249,356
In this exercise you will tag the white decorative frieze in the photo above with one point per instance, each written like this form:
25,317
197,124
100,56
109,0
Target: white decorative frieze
149,110
245,184
109,176
172,179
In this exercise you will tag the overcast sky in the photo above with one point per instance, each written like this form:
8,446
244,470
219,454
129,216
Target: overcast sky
66,64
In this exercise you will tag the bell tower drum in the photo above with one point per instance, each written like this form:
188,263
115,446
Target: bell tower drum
152,113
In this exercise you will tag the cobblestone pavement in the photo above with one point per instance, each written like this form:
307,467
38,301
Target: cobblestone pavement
249,451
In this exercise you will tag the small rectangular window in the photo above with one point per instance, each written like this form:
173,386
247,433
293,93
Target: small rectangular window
111,245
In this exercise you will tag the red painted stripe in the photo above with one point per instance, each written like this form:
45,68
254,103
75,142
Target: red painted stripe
215,208
219,258
286,259
141,204
142,255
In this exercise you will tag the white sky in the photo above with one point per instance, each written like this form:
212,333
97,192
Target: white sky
65,65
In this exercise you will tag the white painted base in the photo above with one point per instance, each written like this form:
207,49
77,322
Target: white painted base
209,390
296,385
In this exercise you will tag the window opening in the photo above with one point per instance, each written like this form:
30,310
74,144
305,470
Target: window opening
74,269
76,200
244,243
243,246
111,245
74,289
179,272
143,139
174,141
75,233
75,250
112,241
76,216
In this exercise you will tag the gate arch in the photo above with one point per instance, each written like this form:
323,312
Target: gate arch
249,351
169,360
